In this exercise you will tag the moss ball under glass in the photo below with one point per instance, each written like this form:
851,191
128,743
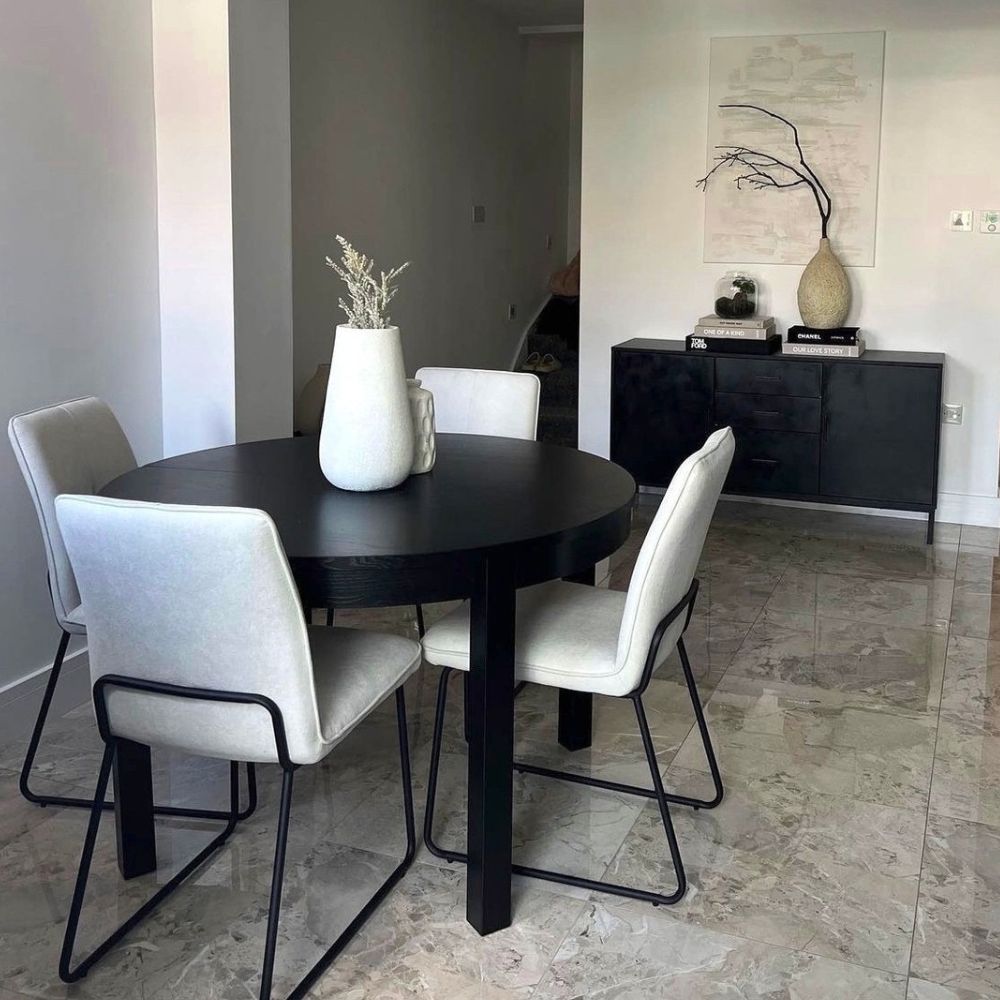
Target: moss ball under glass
735,296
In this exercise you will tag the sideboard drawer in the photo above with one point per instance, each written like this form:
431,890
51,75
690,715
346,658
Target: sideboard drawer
771,378
775,462
745,411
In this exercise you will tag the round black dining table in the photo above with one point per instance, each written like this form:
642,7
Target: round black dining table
493,515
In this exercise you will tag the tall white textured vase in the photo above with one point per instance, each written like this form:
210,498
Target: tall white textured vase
366,442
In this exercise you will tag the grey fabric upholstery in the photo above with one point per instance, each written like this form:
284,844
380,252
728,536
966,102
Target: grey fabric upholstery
589,639
72,447
204,597
474,401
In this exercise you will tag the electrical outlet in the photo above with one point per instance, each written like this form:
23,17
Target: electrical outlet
479,215
989,221
953,413
512,311
960,220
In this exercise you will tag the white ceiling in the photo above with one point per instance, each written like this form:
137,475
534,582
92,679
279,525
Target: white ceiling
532,13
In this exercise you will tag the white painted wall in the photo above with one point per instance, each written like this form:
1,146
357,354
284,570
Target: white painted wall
644,144
224,209
405,114
78,269
193,159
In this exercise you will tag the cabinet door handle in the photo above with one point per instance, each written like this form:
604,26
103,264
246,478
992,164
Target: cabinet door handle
764,461
766,413
767,378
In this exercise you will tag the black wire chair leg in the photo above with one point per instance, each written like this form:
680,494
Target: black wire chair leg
706,739
67,973
277,880
592,885
71,802
420,620
330,615
398,872
661,801
36,732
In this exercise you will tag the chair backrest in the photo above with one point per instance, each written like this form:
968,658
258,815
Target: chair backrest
199,597
668,559
471,401
72,447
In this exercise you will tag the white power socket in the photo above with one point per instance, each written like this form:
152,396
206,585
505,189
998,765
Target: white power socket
989,221
953,413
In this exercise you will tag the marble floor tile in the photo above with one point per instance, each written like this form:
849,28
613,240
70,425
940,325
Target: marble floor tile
789,867
888,665
980,537
419,938
917,603
816,739
619,951
971,695
966,775
918,989
957,939
876,557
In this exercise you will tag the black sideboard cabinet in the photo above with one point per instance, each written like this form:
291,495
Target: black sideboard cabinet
862,432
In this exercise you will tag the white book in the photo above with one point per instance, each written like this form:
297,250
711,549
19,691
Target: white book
826,350
734,332
751,323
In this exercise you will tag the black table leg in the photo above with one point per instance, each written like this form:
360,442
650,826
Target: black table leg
134,809
491,747
576,707
930,528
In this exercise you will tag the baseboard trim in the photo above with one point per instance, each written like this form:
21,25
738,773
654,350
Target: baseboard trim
19,701
953,508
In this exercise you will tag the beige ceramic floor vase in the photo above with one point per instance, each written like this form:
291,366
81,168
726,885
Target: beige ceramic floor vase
824,291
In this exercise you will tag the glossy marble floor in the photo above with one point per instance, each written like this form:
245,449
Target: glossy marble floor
850,675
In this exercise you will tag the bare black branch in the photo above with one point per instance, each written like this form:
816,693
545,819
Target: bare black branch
759,170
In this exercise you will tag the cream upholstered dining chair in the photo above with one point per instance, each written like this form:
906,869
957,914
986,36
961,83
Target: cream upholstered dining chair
198,643
72,447
473,401
477,401
605,642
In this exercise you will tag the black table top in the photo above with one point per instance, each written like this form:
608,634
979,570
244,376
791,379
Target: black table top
535,502
868,358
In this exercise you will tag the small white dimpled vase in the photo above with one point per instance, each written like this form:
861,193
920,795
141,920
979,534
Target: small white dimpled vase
366,443
422,412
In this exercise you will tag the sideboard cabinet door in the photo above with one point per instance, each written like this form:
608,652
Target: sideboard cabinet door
661,411
880,426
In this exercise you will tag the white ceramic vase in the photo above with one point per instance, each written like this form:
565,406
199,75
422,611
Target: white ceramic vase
366,442
424,439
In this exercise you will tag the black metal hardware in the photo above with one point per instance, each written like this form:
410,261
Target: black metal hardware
657,792
764,461
115,745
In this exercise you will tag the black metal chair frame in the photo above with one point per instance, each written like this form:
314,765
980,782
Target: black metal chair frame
657,792
38,799
69,974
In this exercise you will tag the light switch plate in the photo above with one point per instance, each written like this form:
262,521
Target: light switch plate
960,220
989,221
953,413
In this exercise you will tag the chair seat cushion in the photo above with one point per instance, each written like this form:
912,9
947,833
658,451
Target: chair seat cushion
355,670
567,637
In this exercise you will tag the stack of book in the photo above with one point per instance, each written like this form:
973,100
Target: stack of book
735,336
843,342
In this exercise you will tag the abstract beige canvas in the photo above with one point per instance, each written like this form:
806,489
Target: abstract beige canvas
830,87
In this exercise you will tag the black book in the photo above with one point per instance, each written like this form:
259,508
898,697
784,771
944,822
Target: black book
730,345
807,335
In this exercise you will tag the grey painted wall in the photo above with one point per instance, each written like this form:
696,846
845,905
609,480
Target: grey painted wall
78,257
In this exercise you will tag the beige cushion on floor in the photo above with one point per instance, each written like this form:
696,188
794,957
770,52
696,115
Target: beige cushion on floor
567,637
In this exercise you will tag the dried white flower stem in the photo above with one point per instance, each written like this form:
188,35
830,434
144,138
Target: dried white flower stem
369,296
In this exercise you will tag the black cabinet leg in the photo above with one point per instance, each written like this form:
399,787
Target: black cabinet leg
133,774
575,707
491,747
930,528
